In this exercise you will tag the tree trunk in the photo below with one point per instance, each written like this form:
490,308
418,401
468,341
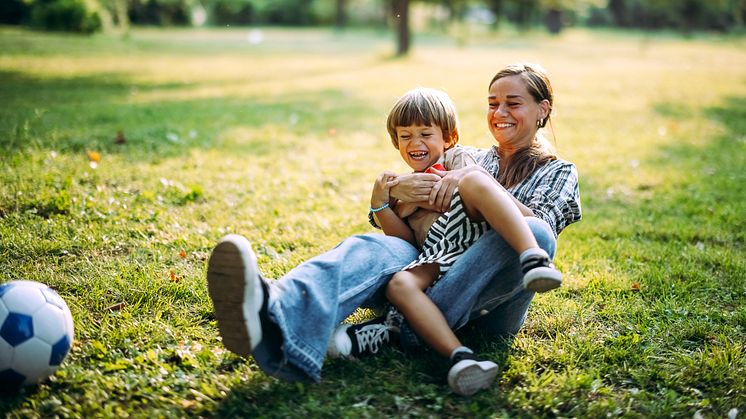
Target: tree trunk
554,21
340,20
401,17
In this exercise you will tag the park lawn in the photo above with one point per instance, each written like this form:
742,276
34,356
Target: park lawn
280,141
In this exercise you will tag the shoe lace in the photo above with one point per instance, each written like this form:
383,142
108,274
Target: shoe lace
370,338
394,319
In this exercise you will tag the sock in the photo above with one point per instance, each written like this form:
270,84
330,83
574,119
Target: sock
532,251
460,349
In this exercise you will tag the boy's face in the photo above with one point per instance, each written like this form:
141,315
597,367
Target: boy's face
421,146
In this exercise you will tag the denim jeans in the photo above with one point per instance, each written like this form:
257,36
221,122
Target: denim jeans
307,303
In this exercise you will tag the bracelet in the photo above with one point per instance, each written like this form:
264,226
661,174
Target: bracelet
381,208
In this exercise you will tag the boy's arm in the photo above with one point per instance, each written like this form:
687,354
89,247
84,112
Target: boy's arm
389,221
405,209
392,225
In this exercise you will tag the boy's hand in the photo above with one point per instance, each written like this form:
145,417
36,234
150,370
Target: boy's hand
381,188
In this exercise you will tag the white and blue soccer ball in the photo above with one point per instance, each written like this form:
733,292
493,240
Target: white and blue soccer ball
36,332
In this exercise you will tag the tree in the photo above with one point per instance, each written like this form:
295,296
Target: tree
401,19
340,19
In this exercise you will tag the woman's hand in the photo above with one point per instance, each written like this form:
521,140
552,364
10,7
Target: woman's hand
442,191
414,187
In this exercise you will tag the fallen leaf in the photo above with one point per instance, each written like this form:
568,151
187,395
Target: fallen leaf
635,287
93,156
120,138
116,307
182,254
173,277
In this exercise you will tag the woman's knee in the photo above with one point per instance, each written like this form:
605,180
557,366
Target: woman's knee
543,234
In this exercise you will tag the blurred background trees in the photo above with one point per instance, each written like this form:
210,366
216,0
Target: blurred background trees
402,16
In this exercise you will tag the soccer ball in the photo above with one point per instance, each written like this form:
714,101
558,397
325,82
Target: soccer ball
36,332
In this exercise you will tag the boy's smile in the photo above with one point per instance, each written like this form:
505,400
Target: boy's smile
421,146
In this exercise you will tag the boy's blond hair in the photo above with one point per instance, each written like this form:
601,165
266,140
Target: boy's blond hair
424,106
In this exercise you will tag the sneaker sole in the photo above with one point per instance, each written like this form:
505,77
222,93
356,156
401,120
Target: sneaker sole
542,279
236,298
472,377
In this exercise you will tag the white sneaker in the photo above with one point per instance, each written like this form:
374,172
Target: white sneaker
236,291
539,274
470,374
359,340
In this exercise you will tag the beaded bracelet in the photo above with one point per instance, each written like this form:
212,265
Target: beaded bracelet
381,208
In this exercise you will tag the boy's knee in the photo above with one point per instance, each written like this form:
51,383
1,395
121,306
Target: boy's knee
473,183
543,234
399,285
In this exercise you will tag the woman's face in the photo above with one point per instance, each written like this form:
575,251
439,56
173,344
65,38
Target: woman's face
512,113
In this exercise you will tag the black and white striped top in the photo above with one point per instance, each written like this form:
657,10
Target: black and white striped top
449,236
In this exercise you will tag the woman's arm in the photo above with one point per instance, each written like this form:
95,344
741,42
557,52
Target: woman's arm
414,187
552,194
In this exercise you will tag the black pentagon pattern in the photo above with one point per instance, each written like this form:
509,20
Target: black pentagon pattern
17,329
59,351
10,380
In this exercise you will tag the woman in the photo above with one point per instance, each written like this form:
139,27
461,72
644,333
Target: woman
286,324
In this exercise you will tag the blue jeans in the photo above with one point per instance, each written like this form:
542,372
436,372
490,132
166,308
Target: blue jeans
313,298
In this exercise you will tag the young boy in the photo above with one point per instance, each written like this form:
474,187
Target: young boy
424,127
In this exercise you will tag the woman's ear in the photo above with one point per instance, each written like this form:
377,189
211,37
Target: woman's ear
544,109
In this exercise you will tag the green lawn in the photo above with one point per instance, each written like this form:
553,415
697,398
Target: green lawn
281,141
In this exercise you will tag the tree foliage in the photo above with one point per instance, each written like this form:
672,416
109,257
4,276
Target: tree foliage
91,15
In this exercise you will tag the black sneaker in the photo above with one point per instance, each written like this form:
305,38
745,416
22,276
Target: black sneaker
237,293
469,374
539,274
359,340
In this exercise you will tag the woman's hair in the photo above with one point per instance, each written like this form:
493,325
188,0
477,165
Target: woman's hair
525,161
424,106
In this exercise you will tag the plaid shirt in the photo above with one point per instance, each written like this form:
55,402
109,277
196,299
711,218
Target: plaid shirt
551,192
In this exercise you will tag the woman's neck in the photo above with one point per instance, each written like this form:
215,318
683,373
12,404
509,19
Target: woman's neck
505,154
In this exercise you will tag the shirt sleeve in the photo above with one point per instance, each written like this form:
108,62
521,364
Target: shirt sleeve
457,157
556,198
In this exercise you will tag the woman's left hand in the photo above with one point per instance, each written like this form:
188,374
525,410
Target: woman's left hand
442,192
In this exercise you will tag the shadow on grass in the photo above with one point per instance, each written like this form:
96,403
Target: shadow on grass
391,384
88,113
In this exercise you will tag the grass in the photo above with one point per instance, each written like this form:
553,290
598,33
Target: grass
280,142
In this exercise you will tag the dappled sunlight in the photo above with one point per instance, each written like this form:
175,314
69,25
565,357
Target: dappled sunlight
125,159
